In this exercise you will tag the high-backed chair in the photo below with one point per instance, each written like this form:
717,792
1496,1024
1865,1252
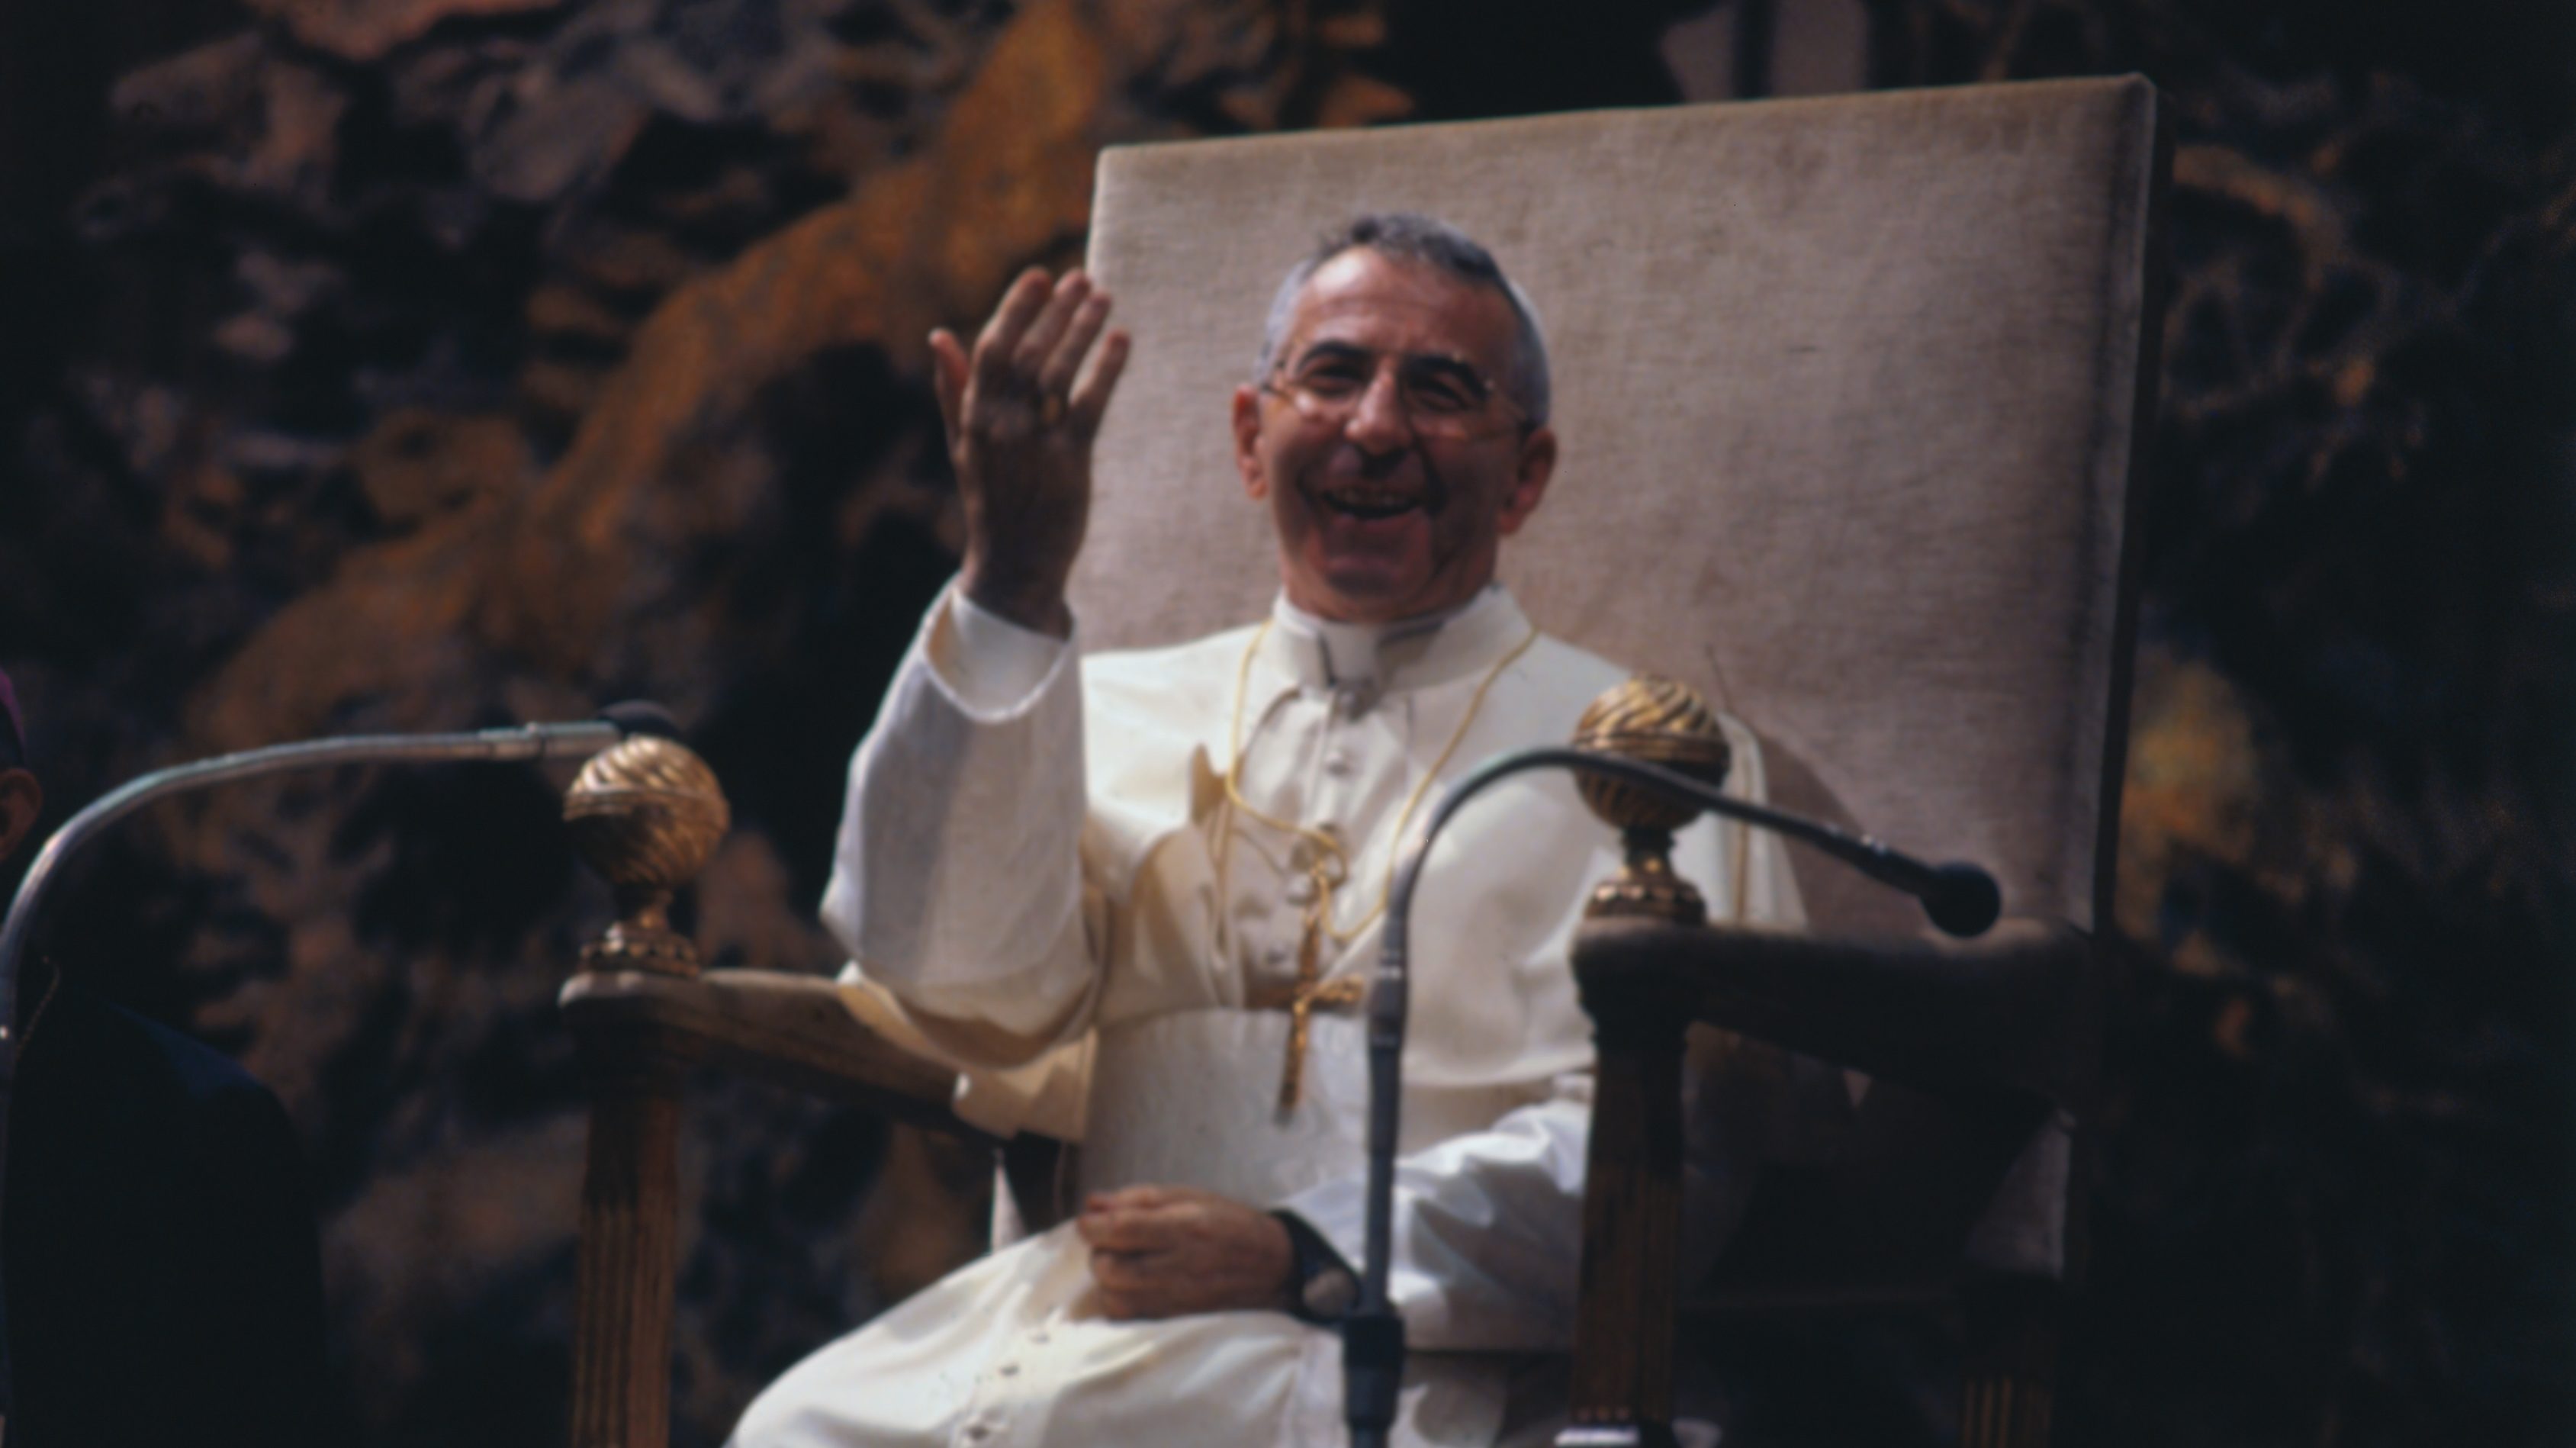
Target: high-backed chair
1850,393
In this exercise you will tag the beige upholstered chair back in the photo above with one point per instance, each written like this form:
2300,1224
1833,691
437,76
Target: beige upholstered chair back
1847,392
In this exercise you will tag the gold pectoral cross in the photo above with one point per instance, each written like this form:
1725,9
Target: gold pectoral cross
1301,999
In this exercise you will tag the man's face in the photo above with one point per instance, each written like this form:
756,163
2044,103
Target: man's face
1386,509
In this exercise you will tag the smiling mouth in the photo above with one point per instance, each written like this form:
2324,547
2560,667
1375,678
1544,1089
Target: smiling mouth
1370,504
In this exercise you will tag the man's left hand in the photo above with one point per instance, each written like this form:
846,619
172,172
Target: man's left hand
1169,1251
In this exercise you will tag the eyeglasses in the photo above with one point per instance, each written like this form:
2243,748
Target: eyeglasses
1441,397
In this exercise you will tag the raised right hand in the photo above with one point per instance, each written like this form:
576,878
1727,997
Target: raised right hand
1021,412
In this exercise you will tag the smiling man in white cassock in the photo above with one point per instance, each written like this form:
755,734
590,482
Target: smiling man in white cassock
1134,896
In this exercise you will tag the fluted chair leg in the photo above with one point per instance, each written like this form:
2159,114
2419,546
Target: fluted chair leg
2009,1346
629,1248
1622,1389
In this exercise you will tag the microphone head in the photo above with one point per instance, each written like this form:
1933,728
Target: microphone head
642,716
1964,900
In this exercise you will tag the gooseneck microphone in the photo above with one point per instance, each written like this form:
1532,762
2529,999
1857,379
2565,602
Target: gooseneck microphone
577,740
1960,899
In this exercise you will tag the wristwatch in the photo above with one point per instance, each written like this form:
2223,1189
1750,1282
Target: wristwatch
1322,1288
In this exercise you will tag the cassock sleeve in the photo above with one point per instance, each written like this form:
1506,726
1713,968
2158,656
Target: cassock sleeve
957,880
1488,1227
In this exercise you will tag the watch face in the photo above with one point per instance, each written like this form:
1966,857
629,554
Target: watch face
1331,1293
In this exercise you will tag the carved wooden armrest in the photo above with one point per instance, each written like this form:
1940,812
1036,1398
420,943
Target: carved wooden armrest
2014,1013
792,1030
647,814
1996,1030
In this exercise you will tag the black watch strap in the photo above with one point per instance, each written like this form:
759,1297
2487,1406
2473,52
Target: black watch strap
1322,1287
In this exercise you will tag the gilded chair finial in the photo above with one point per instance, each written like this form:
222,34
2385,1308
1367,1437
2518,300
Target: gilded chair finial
646,813
1658,721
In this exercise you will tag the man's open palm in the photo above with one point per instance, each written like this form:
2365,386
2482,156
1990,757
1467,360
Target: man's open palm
1021,411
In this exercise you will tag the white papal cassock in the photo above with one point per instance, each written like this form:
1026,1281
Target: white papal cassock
1042,881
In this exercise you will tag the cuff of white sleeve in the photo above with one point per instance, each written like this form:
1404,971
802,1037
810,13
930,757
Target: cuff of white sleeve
1335,1210
991,665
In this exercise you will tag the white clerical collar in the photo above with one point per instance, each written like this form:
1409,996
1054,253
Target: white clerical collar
1413,653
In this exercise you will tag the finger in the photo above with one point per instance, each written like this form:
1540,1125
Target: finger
1124,1306
1020,306
948,378
1056,378
1039,342
1124,1231
1091,396
1104,1226
1128,1272
1116,1230
1127,1199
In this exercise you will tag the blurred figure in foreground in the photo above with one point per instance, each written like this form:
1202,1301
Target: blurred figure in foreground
164,1276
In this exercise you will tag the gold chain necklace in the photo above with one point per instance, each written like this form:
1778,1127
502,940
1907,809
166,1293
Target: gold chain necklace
1328,864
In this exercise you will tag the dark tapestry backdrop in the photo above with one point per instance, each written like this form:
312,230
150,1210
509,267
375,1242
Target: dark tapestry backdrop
406,364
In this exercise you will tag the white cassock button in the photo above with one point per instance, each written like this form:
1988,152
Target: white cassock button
1337,762
1008,1370
1039,1336
1300,890
977,1432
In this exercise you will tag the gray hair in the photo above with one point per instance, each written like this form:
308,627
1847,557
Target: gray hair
1426,239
